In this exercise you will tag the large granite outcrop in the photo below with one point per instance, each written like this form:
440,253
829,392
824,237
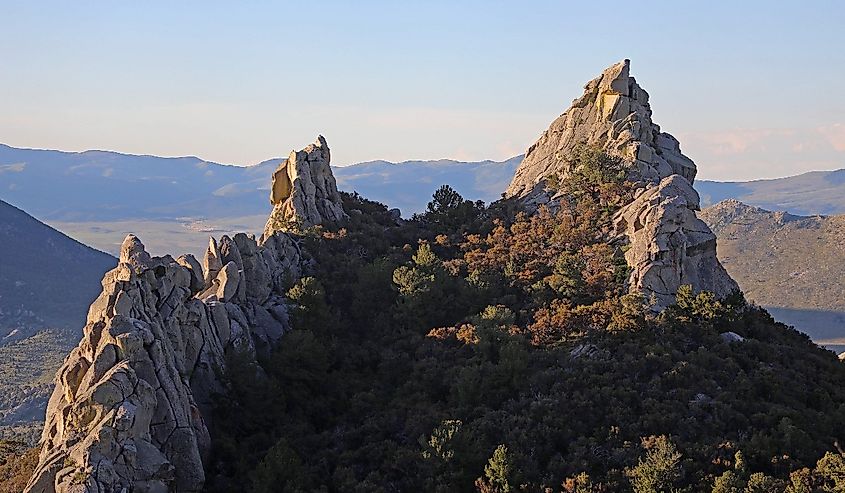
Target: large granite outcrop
667,245
132,402
304,191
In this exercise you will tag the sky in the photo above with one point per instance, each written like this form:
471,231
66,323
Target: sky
752,89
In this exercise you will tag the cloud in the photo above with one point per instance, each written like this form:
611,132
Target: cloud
738,141
754,153
12,168
508,148
835,135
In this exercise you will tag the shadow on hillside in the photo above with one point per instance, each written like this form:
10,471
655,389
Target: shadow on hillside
825,327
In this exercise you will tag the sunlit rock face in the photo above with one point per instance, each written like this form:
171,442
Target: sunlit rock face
304,191
667,245
132,402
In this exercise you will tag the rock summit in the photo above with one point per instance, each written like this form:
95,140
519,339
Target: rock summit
667,246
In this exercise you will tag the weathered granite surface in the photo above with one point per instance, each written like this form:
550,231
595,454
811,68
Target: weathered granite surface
304,191
131,406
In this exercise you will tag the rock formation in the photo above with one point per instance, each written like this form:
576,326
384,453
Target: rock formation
668,246
304,191
131,406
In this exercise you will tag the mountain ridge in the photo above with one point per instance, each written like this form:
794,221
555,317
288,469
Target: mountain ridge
513,336
767,253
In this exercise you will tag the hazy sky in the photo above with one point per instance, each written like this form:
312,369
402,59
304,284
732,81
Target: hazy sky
751,89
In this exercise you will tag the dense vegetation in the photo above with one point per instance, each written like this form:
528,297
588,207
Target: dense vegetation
16,464
479,348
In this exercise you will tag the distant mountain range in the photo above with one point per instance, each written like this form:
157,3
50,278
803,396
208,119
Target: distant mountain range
408,185
100,196
816,192
109,186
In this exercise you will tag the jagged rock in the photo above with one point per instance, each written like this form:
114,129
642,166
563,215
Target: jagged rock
132,254
256,272
211,264
131,405
667,246
614,114
229,253
304,191
131,401
228,282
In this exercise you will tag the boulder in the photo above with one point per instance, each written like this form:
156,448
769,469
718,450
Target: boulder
731,337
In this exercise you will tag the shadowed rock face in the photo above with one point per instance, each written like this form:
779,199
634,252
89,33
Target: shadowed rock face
132,401
304,191
668,246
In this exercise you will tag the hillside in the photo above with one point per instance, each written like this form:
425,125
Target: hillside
27,368
792,265
48,279
816,192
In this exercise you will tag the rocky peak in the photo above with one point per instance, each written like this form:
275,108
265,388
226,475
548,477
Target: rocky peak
614,114
132,402
304,191
667,245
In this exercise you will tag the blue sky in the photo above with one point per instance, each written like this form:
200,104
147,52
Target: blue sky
751,89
